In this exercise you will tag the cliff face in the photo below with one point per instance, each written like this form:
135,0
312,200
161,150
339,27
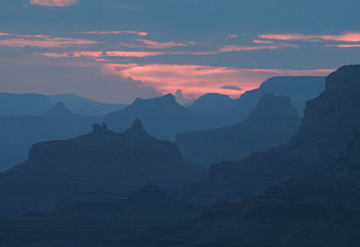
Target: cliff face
95,167
271,123
329,121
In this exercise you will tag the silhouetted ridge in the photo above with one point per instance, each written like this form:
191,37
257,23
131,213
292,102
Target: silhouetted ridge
166,99
163,118
299,89
98,166
272,107
271,123
212,103
84,106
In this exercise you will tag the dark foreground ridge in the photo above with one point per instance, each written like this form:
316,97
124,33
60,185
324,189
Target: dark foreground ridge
80,224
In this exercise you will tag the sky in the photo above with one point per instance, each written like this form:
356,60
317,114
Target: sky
114,51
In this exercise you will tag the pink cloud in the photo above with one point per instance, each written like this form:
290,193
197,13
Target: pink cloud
197,80
232,35
230,48
54,3
116,32
345,46
345,37
43,41
154,45
263,42
104,54
5,34
286,37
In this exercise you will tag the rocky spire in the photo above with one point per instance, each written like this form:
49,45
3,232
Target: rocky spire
97,128
137,125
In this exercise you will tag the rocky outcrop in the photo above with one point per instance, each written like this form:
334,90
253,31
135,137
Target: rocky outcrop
98,166
329,121
271,123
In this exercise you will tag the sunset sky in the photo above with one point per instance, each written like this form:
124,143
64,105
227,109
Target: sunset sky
114,51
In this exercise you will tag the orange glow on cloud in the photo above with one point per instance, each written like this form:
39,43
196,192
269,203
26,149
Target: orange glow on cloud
116,32
197,80
346,37
54,3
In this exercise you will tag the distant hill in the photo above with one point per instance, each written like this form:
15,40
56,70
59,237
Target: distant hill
212,103
80,224
96,167
18,133
298,89
163,118
84,106
38,104
272,122
24,104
